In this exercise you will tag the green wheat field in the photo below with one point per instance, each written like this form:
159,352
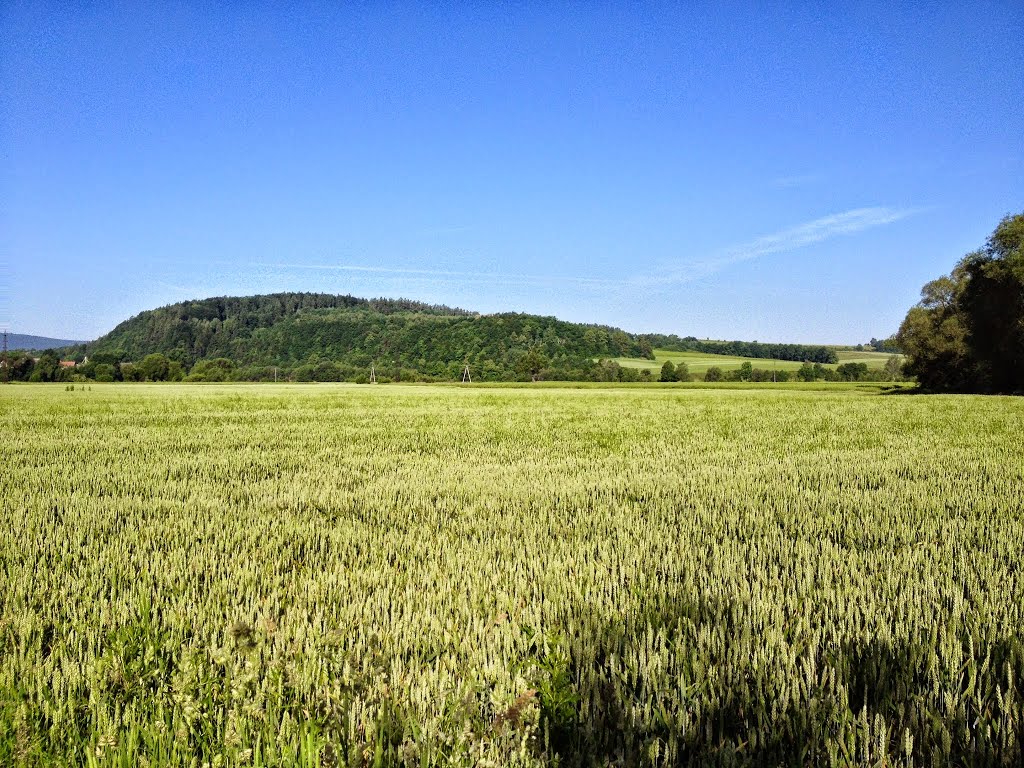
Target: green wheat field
366,576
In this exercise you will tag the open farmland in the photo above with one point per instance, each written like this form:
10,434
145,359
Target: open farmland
870,359
334,575
699,362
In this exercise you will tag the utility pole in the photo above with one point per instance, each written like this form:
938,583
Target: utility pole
467,377
275,374
7,370
373,374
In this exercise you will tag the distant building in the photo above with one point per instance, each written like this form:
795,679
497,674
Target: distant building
67,363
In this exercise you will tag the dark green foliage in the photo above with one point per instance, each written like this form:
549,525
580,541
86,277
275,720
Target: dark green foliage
769,374
992,301
20,367
154,367
935,337
130,372
104,372
48,368
318,337
852,371
886,345
747,372
193,330
816,354
217,369
531,362
891,371
668,372
967,332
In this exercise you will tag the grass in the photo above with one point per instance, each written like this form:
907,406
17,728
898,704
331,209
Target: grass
699,362
872,359
314,575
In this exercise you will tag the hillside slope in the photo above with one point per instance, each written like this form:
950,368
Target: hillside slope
28,342
295,329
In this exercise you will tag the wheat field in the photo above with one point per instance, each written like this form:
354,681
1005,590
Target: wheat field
342,575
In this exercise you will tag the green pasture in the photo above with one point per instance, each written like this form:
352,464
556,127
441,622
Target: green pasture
873,359
699,362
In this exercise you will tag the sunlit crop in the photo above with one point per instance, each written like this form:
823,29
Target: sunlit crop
339,575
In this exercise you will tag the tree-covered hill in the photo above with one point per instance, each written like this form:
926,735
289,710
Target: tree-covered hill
313,331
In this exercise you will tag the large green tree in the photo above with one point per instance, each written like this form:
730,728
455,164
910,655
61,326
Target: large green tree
154,367
967,332
992,301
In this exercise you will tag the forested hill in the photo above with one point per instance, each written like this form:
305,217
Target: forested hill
293,330
315,336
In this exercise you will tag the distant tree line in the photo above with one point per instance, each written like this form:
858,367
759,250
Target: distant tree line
891,371
967,332
107,367
103,367
100,367
22,366
796,352
890,345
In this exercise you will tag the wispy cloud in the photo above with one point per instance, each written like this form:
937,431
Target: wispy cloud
676,273
784,241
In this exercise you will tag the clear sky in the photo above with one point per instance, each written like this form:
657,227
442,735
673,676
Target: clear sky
778,172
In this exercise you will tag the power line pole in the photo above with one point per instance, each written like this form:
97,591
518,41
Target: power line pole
373,374
467,377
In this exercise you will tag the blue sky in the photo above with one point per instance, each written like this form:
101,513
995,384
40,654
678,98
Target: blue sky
733,170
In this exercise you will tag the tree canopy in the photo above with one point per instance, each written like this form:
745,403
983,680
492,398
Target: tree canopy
967,332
